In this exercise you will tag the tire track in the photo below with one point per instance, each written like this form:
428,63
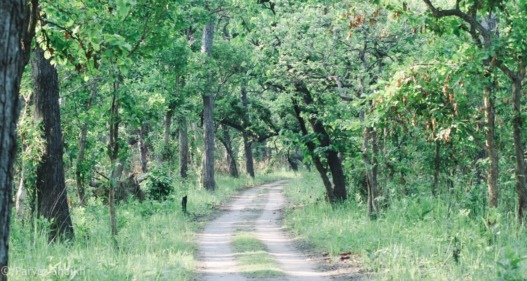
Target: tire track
259,210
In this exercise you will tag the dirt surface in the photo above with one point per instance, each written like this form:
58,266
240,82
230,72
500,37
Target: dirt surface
259,210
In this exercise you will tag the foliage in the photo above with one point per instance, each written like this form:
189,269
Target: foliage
156,239
158,185
415,238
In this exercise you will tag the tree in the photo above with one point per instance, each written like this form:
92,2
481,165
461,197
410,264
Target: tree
209,182
505,53
16,34
51,188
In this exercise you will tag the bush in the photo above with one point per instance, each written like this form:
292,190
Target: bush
159,185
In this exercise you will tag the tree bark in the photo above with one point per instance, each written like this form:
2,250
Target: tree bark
520,173
370,175
490,145
16,32
80,170
114,185
21,196
113,153
324,139
316,159
143,149
208,116
249,160
166,140
231,158
51,187
183,148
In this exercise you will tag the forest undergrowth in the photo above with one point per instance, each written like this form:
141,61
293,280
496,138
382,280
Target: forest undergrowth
415,237
156,240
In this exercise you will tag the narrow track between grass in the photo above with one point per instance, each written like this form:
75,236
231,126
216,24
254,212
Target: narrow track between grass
247,242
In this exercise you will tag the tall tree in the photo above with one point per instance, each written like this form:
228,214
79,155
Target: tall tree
249,161
51,187
208,181
16,32
507,54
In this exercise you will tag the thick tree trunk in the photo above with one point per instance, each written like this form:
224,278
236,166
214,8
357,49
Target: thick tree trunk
231,158
208,181
51,187
249,159
80,170
183,148
490,145
517,126
16,33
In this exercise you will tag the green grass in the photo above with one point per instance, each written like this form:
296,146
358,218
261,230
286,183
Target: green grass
156,241
415,238
253,258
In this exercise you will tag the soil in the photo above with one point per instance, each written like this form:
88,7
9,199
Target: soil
260,210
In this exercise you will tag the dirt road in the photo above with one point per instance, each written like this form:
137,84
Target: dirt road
257,212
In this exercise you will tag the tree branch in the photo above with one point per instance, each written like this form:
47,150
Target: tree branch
458,13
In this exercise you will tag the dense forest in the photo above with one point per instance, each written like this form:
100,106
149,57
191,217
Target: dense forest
399,124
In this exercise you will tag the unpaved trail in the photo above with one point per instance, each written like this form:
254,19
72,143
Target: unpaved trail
258,210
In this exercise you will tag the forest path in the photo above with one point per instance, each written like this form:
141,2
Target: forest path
257,214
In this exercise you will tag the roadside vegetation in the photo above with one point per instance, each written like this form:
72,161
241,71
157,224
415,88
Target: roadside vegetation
416,237
156,239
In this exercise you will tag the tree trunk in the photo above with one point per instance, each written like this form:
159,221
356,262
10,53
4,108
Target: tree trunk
334,163
183,148
143,149
372,180
21,196
520,173
16,33
490,145
80,170
208,116
51,187
249,159
166,140
113,153
231,158
114,185
437,166
316,159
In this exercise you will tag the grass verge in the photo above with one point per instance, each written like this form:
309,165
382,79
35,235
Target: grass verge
415,237
156,241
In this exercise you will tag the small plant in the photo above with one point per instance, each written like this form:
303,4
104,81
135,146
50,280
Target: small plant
510,268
